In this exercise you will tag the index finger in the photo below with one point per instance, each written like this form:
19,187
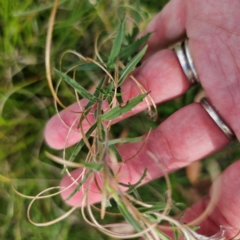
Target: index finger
186,136
160,75
167,27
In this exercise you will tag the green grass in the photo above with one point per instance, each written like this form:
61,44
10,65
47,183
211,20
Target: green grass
26,104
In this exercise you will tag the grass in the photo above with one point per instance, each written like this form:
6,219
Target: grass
26,104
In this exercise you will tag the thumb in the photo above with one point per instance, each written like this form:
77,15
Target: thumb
226,212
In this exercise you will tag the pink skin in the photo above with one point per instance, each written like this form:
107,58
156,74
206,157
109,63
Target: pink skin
189,134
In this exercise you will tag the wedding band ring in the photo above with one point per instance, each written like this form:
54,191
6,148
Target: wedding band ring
216,118
185,59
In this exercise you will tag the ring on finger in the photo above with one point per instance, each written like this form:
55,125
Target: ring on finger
217,119
185,59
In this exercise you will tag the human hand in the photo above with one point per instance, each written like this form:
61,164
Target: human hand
190,133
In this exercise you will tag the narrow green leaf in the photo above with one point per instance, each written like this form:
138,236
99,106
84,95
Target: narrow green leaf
134,47
119,95
116,153
109,99
77,188
124,140
151,218
194,228
131,65
82,66
134,186
119,110
97,167
96,93
116,46
137,195
82,91
81,143
88,67
175,231
128,216
162,235
132,37
156,207
108,92
137,17
126,213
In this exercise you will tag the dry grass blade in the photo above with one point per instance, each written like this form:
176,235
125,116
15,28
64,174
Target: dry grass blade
37,197
48,51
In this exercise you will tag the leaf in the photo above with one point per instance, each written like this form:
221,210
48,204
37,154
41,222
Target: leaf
116,46
94,166
116,153
83,66
137,195
132,187
132,37
81,143
151,218
162,235
119,110
119,95
176,235
134,47
82,91
131,65
127,214
88,67
124,140
137,17
156,207
96,93
77,188
108,92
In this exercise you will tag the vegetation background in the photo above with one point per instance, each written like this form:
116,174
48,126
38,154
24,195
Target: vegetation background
26,104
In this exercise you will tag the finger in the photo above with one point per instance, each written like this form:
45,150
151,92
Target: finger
216,60
227,211
161,75
167,27
186,136
219,79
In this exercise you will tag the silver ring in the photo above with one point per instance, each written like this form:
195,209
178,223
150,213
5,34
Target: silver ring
213,114
185,59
